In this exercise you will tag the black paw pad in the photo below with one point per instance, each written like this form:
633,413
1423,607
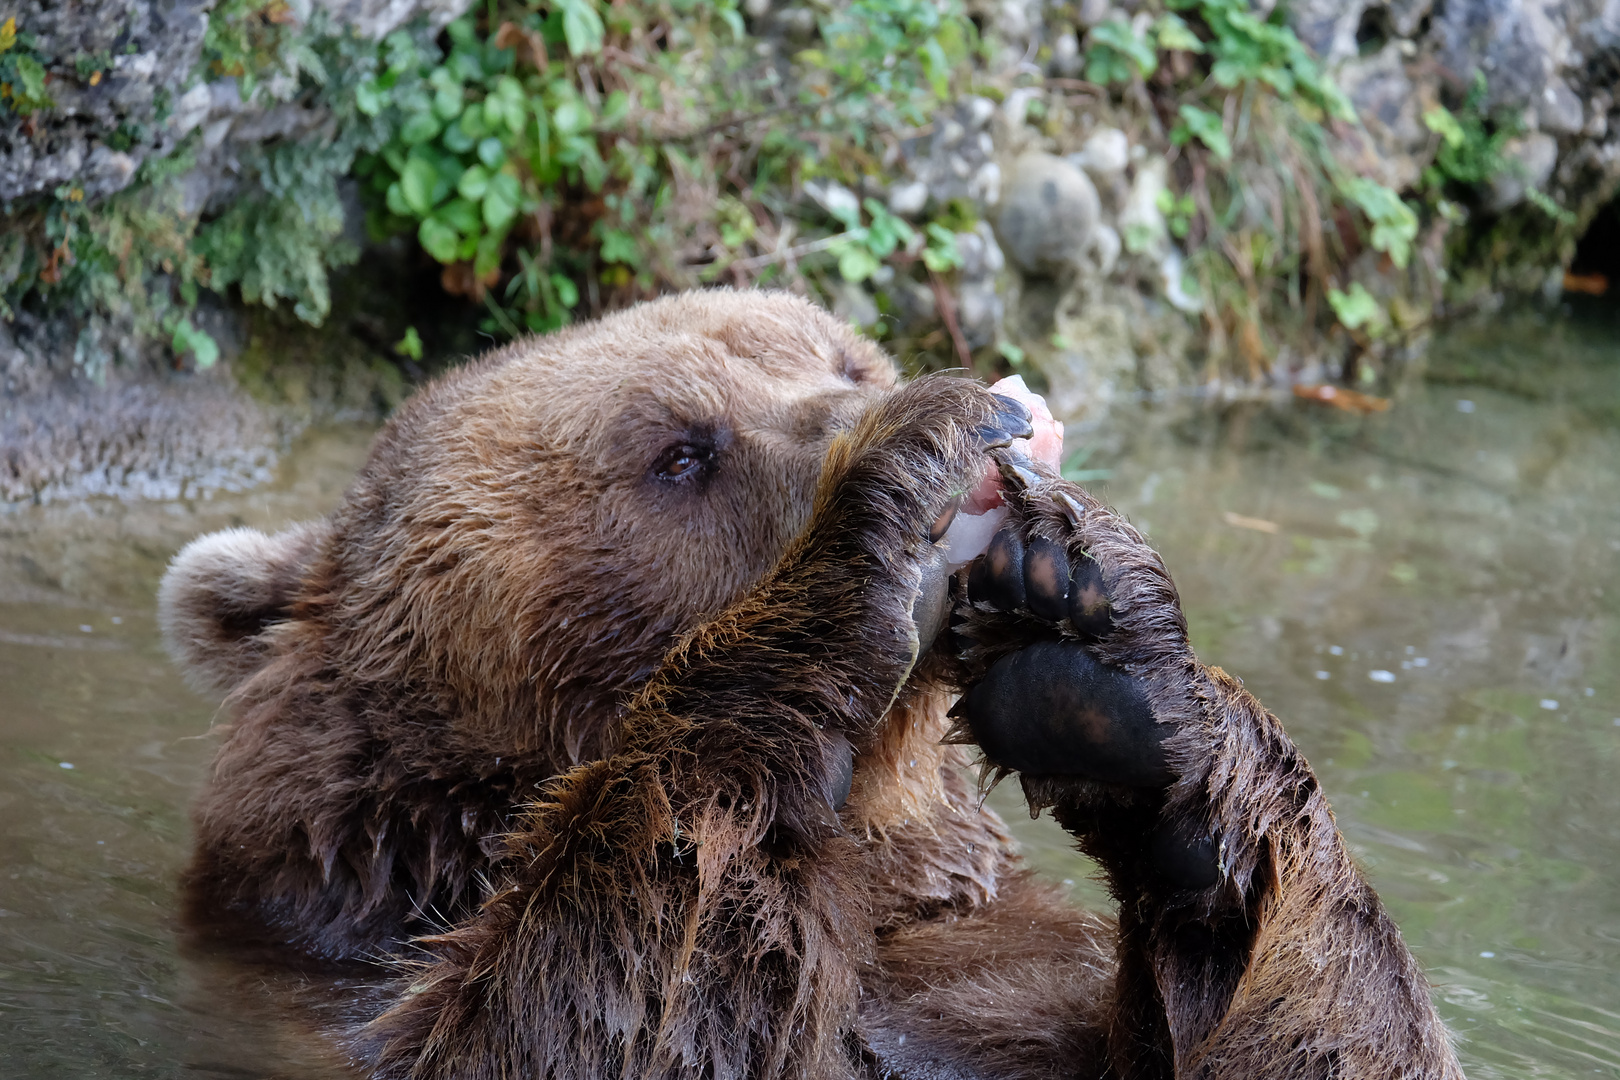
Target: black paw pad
1088,607
997,578
1046,579
1053,709
1183,860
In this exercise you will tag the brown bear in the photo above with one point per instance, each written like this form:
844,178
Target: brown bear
620,681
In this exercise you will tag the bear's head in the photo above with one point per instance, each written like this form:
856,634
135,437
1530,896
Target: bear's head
532,531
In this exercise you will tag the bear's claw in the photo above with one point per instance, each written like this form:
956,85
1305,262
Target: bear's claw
1012,420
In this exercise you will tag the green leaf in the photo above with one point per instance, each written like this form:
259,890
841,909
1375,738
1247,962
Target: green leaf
1549,206
887,231
416,184
941,254
856,263
438,240
619,246
473,183
456,139
1172,32
462,215
567,291
463,33
202,346
1394,223
472,121
419,128
410,345
514,103
1116,36
1355,308
615,109
492,152
501,201
369,98
582,27
488,257
395,199
448,102
1440,121
1206,126
570,117
936,67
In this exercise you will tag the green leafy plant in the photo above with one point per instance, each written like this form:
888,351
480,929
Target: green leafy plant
1198,122
22,75
201,345
1178,211
1116,54
1471,152
1357,309
1258,178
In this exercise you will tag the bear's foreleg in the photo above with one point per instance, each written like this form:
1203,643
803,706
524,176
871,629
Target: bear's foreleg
692,906
1250,945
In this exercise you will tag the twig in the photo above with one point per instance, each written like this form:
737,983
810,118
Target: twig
947,312
756,262
1078,85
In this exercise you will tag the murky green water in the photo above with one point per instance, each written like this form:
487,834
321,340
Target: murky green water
1429,598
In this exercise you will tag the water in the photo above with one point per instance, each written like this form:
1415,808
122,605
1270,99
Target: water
1470,554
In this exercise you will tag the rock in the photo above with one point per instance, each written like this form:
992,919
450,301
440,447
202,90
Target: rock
1391,108
191,110
1512,42
1406,16
980,309
1105,248
908,199
1172,274
1328,27
1066,59
377,18
1091,13
986,185
1530,161
1016,105
147,98
1559,110
855,304
1047,215
979,313
977,111
956,160
836,199
982,257
1141,221
1104,155
912,304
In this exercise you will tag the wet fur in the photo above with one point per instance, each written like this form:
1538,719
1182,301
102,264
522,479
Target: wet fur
499,693
1286,966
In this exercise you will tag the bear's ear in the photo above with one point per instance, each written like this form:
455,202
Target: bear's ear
222,591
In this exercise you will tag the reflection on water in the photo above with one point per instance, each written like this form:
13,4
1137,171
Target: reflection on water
1427,597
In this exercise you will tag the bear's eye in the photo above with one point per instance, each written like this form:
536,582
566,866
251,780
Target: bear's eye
683,462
